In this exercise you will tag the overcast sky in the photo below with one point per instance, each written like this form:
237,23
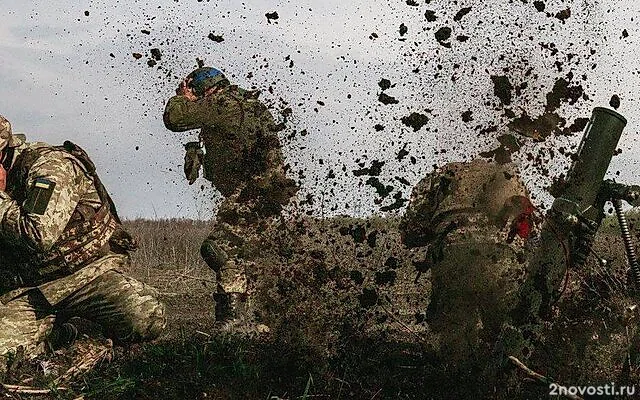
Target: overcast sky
69,75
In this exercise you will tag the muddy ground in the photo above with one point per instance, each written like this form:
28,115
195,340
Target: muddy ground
348,310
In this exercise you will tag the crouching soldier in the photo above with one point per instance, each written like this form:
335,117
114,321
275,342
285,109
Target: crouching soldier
475,223
244,162
63,250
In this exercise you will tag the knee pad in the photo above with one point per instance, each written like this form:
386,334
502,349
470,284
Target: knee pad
152,324
213,255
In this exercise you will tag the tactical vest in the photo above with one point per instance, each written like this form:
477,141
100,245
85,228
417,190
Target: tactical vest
89,234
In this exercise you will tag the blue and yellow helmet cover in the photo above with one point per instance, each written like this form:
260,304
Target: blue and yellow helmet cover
204,78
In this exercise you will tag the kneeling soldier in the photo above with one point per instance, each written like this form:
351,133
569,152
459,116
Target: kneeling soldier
63,250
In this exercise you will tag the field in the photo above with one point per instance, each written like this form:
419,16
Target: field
347,306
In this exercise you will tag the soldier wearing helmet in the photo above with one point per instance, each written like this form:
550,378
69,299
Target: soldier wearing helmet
244,162
63,250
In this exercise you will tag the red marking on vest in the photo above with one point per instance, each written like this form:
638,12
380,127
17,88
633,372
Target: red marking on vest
524,223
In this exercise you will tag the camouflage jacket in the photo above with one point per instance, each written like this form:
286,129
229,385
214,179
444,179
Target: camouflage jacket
476,200
55,216
238,131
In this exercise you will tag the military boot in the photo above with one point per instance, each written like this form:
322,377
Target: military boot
63,335
233,315
230,306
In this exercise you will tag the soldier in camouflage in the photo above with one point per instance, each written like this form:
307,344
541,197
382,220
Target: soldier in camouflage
63,250
243,160
476,224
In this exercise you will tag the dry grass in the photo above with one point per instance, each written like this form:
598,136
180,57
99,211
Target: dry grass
169,253
347,310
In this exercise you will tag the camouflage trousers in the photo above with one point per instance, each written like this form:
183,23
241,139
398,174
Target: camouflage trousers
235,241
474,288
230,263
126,309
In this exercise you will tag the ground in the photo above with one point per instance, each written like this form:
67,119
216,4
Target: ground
347,307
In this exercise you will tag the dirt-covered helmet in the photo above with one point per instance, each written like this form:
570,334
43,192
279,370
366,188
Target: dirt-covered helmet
204,78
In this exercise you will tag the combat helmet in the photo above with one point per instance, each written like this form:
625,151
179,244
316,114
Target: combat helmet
7,139
204,78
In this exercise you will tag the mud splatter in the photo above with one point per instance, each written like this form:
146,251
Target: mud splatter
374,170
578,125
399,203
615,101
415,120
381,189
372,238
403,29
564,15
502,88
509,144
386,99
539,5
402,153
369,297
156,54
442,36
460,14
385,277
430,15
272,16
357,277
216,38
384,84
563,91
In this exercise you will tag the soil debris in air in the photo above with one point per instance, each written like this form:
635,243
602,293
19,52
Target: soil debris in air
272,16
442,36
460,14
415,120
615,101
430,15
384,84
215,38
386,99
502,88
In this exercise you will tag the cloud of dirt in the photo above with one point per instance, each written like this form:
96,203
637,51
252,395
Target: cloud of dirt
406,84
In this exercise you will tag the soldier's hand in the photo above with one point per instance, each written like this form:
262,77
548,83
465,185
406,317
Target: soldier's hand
186,91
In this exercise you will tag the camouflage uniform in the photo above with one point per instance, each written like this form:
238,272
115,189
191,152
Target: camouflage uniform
475,221
62,253
244,162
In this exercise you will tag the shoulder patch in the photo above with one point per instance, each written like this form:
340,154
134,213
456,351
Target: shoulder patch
39,196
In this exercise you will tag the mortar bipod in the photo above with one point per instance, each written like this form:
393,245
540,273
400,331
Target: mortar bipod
616,193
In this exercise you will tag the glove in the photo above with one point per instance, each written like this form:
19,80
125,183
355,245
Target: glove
192,161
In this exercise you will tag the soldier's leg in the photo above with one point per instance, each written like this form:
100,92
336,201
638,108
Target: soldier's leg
24,321
127,310
221,251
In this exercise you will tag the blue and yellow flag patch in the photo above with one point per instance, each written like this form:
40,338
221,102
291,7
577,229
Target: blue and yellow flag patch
39,196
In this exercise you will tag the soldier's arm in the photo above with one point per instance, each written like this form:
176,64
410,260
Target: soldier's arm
54,187
417,225
182,114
